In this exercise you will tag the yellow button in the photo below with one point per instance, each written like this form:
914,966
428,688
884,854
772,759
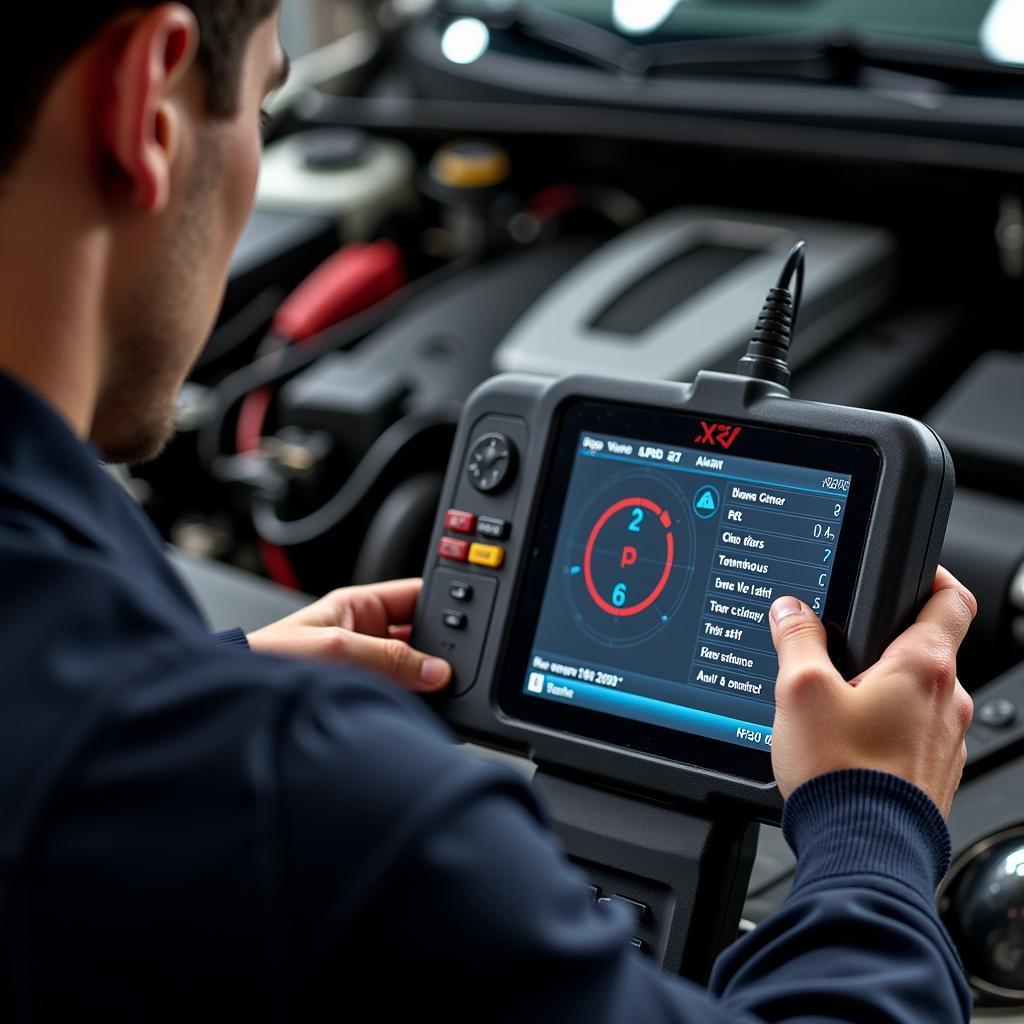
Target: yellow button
489,555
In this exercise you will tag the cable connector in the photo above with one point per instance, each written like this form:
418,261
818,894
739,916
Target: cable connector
768,350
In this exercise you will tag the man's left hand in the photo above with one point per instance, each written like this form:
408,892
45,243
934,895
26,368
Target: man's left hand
368,627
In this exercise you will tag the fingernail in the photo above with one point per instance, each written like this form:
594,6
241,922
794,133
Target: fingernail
784,607
435,673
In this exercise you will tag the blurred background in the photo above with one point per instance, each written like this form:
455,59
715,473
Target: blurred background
455,188
307,24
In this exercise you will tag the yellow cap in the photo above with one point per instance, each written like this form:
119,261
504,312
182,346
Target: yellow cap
470,164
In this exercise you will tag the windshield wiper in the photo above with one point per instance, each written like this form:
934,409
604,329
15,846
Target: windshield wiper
590,43
838,56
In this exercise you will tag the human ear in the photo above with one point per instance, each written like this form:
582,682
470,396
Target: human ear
143,116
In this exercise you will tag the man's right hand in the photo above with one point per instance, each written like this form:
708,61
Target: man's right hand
906,715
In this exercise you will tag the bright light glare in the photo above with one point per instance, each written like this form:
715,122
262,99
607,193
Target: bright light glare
1002,32
1015,864
465,40
640,16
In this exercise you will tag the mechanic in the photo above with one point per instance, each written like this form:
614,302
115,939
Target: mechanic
193,831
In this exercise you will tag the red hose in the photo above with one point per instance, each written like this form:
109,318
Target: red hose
352,280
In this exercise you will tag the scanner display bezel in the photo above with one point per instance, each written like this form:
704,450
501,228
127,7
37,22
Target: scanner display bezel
660,426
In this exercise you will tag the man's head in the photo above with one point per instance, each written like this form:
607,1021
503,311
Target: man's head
132,134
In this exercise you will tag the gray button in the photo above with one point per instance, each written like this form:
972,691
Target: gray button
998,713
638,910
491,528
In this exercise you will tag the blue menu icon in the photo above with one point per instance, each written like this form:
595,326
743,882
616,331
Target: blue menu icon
705,502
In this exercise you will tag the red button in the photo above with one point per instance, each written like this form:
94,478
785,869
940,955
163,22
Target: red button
456,550
460,522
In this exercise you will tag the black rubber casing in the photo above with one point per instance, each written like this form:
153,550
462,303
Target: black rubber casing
903,541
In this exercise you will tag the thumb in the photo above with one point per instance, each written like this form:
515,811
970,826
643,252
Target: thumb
413,669
800,643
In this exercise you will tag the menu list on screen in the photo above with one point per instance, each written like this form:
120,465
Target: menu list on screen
664,568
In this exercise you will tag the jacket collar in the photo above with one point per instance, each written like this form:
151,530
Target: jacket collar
43,465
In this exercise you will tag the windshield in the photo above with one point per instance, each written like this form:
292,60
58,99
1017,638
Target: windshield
993,27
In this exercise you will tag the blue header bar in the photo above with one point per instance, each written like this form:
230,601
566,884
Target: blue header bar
713,463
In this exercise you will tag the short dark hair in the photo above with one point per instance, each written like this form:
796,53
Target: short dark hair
44,39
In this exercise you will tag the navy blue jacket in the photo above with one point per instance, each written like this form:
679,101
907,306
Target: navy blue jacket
191,832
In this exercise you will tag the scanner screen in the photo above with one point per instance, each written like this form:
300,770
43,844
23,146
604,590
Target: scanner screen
667,555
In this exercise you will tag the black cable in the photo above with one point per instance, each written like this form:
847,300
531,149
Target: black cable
291,533
768,351
795,263
278,366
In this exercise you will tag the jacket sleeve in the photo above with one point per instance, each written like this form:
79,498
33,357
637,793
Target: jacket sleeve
232,638
472,905
858,938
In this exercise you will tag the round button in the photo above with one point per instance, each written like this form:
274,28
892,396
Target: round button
998,714
492,463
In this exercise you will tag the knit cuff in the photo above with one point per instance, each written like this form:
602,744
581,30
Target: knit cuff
232,638
860,821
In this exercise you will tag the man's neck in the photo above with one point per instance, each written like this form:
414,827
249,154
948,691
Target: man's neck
51,298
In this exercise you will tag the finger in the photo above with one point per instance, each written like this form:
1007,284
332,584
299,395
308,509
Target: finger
799,639
399,598
951,608
401,633
411,668
373,608
963,707
929,647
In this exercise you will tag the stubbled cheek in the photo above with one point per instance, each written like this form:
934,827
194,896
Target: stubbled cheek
255,159
240,176
244,192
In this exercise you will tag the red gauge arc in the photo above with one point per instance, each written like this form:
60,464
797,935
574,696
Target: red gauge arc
670,549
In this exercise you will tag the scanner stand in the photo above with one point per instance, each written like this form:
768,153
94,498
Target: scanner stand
683,876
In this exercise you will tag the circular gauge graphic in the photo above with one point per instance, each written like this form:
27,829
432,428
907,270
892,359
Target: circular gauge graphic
630,558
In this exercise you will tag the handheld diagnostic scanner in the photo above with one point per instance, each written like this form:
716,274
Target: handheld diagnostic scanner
600,578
